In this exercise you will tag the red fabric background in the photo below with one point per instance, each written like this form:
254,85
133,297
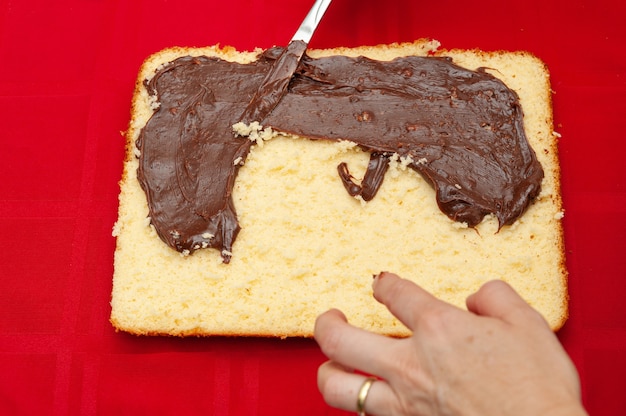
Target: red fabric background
67,70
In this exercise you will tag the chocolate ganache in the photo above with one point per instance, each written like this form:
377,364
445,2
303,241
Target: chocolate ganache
462,130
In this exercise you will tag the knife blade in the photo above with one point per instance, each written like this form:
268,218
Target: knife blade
275,83
310,22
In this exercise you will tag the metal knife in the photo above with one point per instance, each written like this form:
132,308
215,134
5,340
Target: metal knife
277,79
310,22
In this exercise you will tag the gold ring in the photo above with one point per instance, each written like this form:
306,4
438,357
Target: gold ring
363,392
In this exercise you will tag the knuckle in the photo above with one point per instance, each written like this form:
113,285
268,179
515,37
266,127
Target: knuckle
392,289
436,321
525,314
536,319
406,364
331,342
332,390
400,287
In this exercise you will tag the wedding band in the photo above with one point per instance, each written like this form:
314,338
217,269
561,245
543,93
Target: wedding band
363,392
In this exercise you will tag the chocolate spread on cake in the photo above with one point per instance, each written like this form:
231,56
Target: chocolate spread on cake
462,130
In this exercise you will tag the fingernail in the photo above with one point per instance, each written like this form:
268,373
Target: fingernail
378,276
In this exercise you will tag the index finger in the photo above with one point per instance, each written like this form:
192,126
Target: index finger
404,299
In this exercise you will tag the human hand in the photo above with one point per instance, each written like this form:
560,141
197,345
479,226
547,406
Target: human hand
498,358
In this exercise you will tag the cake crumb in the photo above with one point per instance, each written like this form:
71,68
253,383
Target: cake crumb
405,161
399,163
345,145
244,130
154,102
393,165
225,254
459,225
116,229
254,131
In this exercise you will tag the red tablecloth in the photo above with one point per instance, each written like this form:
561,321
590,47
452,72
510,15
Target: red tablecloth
67,70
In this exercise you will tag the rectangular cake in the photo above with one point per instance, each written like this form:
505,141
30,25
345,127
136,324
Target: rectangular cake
310,215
